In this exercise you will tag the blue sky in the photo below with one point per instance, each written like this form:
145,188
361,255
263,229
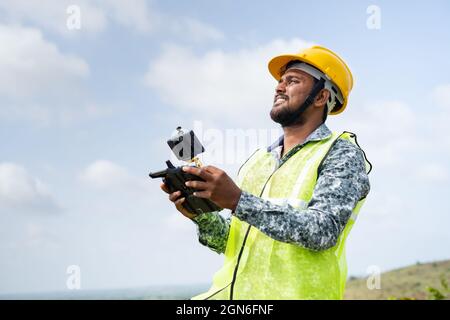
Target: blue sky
85,113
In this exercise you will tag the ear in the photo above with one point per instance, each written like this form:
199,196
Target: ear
321,98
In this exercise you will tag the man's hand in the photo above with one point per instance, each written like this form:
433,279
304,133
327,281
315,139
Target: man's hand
218,186
175,198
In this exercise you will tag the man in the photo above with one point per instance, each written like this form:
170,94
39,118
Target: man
296,201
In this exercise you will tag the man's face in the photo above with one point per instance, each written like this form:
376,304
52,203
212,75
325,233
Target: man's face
290,93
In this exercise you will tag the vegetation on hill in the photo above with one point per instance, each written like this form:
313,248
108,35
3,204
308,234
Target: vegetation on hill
421,281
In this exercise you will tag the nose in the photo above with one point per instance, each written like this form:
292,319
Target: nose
281,87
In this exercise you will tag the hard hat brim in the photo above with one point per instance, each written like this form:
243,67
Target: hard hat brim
277,64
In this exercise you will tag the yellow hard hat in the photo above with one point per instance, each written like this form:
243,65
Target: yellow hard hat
326,61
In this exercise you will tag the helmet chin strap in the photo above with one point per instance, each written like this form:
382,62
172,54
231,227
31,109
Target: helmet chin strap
319,85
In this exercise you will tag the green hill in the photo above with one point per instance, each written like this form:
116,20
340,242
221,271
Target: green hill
415,282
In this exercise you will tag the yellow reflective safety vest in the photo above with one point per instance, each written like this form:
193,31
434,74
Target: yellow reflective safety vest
259,267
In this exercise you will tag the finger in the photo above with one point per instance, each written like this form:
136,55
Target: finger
179,202
203,194
199,185
174,196
179,205
183,210
205,175
164,188
211,169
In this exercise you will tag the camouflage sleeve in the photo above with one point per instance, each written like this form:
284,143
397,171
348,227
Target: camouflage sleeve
213,230
341,183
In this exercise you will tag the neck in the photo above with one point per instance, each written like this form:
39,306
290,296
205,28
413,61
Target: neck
296,134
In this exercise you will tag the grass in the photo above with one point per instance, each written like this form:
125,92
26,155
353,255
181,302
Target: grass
420,281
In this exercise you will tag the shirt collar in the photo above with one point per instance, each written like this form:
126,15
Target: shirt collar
320,133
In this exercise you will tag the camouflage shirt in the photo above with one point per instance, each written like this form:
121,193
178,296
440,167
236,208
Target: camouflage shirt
342,181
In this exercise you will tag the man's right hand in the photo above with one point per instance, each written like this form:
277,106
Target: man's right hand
175,198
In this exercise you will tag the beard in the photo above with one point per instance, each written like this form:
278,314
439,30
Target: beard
287,117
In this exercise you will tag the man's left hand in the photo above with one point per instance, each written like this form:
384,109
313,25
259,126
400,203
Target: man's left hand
218,186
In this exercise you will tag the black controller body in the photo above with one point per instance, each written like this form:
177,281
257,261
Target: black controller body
174,178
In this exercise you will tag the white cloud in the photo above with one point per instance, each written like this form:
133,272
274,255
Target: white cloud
37,237
387,130
46,114
399,140
438,116
134,14
107,175
41,84
28,112
95,16
433,173
52,14
31,65
19,191
104,174
441,96
195,31
217,84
